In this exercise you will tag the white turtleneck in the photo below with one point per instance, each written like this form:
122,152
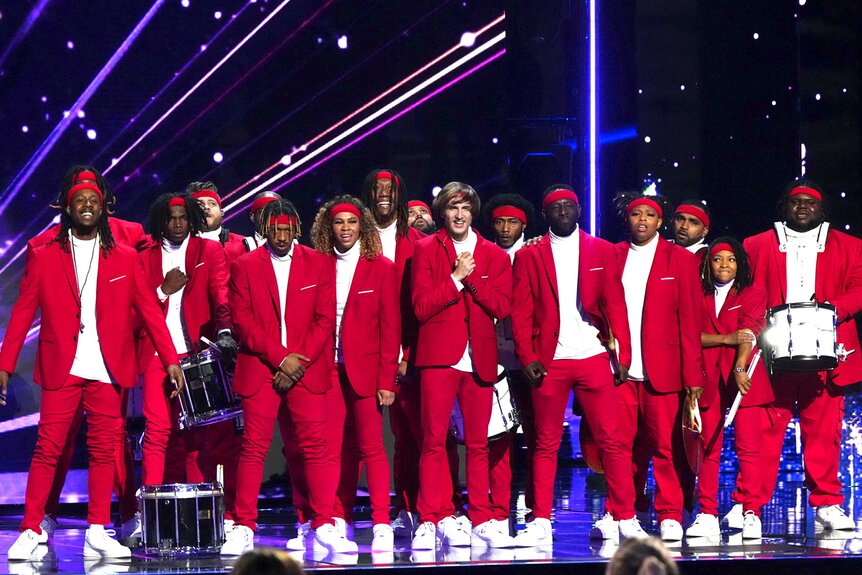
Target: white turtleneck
388,238
635,276
281,267
174,256
345,268
801,264
468,244
577,338
721,291
89,362
213,235
510,251
694,248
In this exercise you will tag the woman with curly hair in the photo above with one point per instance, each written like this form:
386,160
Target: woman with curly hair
368,327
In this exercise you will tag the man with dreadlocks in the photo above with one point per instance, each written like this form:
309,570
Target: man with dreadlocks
255,240
189,276
207,197
83,355
283,302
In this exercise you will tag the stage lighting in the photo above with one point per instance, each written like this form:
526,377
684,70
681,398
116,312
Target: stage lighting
342,42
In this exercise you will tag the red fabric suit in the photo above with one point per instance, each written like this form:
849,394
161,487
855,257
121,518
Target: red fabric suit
125,233
370,338
50,284
838,281
536,325
449,319
310,323
204,312
745,310
670,344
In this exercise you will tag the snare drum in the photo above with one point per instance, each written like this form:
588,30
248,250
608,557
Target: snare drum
504,414
182,519
207,397
802,337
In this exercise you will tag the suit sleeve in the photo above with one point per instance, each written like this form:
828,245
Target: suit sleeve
22,316
217,288
390,328
322,329
614,306
248,331
494,292
753,314
849,303
523,310
690,315
150,313
430,299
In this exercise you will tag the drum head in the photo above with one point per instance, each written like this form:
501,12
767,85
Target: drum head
589,448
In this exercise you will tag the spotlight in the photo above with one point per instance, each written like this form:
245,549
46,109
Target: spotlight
435,191
285,160
184,3
342,42
218,157
91,134
25,129
70,45
468,39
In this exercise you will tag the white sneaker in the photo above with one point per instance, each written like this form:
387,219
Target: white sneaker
98,543
605,528
404,526
327,538
537,533
833,517
631,529
494,534
671,530
302,532
704,525
383,538
48,526
228,525
452,533
465,522
751,526
733,519
344,528
131,528
238,541
425,538
25,545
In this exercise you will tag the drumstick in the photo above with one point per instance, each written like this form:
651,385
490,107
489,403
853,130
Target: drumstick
210,344
220,474
733,408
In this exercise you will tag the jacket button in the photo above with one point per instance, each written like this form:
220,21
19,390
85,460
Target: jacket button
466,320
556,334
77,315
75,337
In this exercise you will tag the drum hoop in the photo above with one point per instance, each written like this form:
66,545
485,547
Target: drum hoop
181,491
800,305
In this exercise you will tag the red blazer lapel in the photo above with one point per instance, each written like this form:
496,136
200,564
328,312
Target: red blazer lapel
547,257
359,281
69,269
269,278
710,311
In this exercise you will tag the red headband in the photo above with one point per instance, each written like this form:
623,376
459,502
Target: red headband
282,220
384,175
643,202
417,204
177,201
722,247
83,186
694,211
806,190
85,175
259,203
561,194
509,212
207,194
345,207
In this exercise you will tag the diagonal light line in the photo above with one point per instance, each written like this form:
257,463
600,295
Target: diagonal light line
307,158
199,83
22,32
52,139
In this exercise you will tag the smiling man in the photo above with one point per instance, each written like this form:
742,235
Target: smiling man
802,259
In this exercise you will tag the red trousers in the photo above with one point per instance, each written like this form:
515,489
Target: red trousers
104,421
124,474
170,455
363,436
821,412
747,437
655,419
593,384
439,388
500,478
307,421
222,443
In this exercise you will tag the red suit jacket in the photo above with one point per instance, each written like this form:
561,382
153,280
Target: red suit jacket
536,301
746,310
205,308
404,247
309,317
49,283
232,244
370,327
838,280
125,233
670,328
448,318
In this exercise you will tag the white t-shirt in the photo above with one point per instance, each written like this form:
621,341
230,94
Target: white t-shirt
345,269
635,276
174,255
468,245
388,239
721,291
89,362
801,264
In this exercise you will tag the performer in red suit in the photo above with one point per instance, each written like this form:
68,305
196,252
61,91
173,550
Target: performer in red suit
189,276
803,260
419,217
568,300
368,326
734,314
255,240
282,297
206,195
691,225
125,233
661,284
462,283
88,289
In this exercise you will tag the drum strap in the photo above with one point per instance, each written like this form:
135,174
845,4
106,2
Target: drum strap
781,232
